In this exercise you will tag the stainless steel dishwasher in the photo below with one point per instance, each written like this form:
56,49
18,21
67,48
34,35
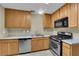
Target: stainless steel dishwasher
24,45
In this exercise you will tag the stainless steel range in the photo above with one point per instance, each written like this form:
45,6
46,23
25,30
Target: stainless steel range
56,42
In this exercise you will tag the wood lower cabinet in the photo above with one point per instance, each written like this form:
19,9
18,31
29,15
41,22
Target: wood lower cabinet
13,48
70,50
40,44
4,48
66,49
9,47
37,44
46,43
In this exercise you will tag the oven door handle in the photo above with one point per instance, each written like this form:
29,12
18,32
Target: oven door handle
54,41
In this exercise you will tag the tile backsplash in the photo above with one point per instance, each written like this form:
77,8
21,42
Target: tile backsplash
75,31
17,32
23,32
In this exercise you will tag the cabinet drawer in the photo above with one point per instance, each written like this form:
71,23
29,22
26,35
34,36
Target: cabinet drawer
66,45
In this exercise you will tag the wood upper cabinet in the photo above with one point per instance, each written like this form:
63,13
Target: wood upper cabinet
63,11
40,44
54,17
8,47
73,19
69,10
17,19
47,22
10,20
28,20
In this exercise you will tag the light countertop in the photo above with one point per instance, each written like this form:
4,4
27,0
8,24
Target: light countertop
71,41
19,37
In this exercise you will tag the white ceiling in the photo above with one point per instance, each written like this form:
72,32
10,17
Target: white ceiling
48,8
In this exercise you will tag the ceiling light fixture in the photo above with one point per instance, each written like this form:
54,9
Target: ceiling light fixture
40,11
46,3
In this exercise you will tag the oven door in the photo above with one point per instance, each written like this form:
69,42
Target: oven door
55,47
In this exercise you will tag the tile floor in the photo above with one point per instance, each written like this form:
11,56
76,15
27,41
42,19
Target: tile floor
40,53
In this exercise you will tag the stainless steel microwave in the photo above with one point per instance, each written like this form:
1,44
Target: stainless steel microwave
61,23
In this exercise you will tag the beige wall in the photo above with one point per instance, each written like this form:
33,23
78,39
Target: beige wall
2,29
37,24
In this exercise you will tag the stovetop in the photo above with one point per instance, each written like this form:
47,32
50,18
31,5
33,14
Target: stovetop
58,38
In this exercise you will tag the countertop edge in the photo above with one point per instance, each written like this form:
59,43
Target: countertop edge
6,38
71,43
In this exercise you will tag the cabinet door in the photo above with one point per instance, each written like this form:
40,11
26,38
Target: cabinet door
23,19
10,19
52,18
47,22
55,16
4,49
8,47
46,43
73,15
66,49
13,48
37,44
63,11
41,44
28,20
20,21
